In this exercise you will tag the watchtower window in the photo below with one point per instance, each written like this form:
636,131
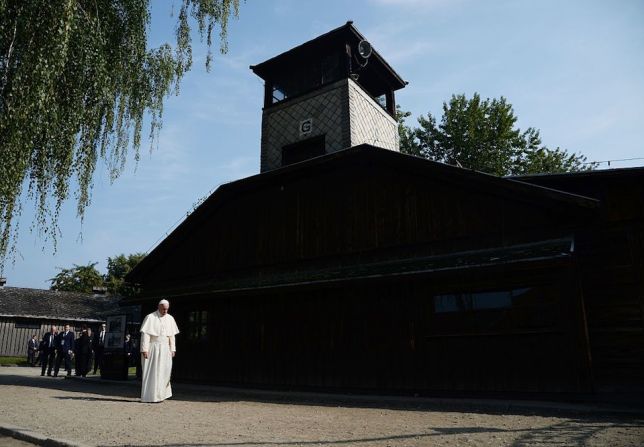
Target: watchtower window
278,94
303,150
382,101
297,78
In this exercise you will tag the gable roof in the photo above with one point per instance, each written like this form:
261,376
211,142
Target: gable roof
51,304
371,156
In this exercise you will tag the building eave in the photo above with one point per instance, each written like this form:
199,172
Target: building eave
288,277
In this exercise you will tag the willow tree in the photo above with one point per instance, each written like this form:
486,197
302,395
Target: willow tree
77,80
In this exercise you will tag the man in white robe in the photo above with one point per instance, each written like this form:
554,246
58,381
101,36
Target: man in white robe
157,350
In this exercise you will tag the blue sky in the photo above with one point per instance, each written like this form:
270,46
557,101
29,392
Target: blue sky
573,69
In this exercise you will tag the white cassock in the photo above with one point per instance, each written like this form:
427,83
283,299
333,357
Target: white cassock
157,338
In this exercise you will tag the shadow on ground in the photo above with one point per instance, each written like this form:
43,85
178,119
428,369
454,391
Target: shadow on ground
574,430
572,433
129,392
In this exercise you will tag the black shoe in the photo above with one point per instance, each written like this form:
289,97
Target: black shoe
49,374
42,374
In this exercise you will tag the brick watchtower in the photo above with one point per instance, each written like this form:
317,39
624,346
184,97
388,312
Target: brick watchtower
328,94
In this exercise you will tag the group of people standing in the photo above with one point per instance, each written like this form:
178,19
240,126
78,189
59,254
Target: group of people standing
58,348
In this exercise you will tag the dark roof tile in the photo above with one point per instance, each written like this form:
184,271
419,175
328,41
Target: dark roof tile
40,303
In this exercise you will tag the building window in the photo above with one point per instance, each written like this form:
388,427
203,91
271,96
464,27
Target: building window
381,101
303,77
198,325
278,94
27,324
464,302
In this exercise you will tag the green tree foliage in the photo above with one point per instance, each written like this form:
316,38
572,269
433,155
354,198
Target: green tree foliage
80,278
482,135
117,268
83,278
406,134
77,79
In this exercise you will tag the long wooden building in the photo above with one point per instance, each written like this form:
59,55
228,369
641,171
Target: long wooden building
362,268
25,312
371,269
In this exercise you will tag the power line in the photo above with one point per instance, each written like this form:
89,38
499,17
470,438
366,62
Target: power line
612,161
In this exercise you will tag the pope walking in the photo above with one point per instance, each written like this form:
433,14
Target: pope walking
157,350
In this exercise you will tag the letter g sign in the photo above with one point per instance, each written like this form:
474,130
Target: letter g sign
306,126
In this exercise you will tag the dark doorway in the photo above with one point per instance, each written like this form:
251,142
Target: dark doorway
303,150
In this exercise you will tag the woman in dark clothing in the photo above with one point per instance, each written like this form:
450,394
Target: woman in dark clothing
84,347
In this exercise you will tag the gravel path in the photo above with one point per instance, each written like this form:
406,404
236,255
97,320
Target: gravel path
102,414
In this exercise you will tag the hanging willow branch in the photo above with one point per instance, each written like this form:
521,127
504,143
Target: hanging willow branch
76,81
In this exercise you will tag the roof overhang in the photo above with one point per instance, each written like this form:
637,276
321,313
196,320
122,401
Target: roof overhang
290,277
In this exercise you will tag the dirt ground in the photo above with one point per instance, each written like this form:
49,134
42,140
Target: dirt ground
101,414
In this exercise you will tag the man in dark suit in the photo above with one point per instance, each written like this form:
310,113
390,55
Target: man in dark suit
99,345
65,350
49,342
83,352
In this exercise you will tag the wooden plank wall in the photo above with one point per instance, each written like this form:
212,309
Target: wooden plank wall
611,260
612,275
387,337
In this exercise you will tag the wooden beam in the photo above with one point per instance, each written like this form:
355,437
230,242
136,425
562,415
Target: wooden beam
268,94
391,103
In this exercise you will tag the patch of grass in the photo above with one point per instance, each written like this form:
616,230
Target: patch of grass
10,361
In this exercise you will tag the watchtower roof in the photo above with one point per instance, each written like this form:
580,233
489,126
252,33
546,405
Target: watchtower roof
377,71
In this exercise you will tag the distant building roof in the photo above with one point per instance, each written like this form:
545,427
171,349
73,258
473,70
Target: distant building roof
50,304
